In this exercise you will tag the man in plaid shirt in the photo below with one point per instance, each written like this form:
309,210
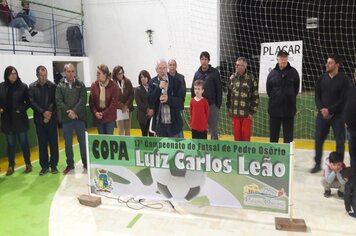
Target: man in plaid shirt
242,100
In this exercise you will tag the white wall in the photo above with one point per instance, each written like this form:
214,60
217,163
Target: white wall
26,66
115,34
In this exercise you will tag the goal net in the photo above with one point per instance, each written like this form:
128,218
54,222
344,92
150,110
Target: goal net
324,27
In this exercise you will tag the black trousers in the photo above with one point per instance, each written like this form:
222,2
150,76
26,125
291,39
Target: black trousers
199,134
275,127
145,129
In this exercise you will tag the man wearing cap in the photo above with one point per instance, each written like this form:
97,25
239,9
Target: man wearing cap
282,89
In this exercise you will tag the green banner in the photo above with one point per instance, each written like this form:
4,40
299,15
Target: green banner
207,172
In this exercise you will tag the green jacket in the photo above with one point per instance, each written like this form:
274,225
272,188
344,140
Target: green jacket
74,98
242,95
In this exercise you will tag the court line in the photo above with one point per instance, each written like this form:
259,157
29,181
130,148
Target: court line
134,220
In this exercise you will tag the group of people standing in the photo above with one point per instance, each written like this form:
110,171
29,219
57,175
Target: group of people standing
166,95
334,98
160,103
111,100
65,102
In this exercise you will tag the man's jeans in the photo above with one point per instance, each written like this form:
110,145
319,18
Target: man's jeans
213,121
68,128
321,133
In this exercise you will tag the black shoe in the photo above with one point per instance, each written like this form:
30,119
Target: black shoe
43,171
85,166
10,171
33,33
327,193
28,169
68,169
24,39
54,170
352,214
340,194
316,169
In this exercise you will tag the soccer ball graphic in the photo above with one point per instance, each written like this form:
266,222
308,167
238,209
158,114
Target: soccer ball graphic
178,184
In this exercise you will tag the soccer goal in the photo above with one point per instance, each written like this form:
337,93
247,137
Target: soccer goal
324,27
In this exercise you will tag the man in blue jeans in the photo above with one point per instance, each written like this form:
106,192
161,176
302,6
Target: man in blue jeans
42,95
330,96
71,98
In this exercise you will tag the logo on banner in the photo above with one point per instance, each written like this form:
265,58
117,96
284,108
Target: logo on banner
264,197
103,182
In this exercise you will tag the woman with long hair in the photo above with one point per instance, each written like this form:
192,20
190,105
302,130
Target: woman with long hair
125,100
144,113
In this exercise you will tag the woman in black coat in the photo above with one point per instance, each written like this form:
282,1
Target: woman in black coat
144,113
14,102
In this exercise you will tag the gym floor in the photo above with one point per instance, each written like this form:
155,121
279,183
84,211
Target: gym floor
48,205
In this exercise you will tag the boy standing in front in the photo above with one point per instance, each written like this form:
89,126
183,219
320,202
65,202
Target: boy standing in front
199,112
332,177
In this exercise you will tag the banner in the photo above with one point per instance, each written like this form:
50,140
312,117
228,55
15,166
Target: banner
268,60
205,172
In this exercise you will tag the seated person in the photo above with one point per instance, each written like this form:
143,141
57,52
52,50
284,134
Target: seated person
8,19
332,177
28,15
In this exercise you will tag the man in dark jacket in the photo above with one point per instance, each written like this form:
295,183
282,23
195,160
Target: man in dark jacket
330,96
166,97
71,99
212,91
172,71
42,95
282,89
350,121
349,173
